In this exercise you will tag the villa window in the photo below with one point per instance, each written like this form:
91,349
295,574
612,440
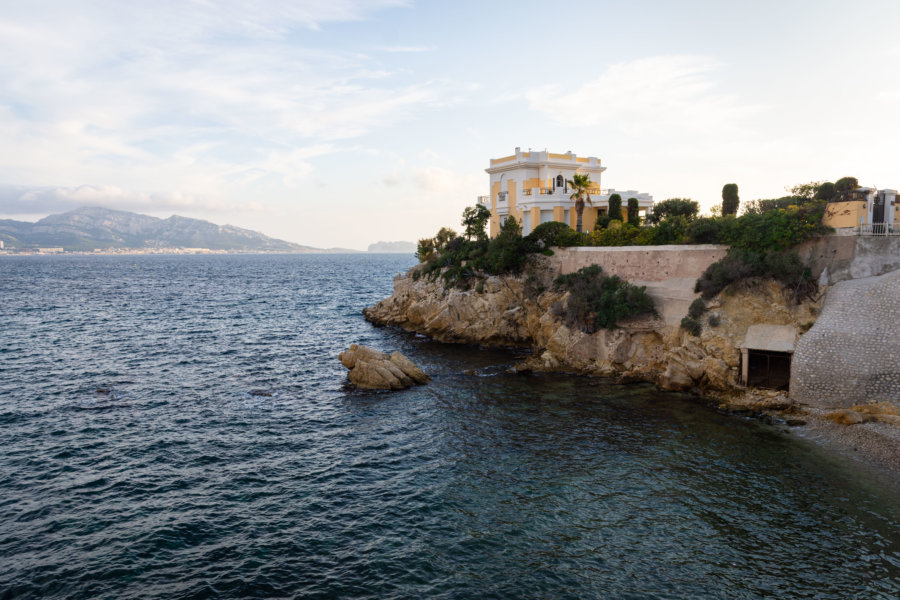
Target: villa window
560,181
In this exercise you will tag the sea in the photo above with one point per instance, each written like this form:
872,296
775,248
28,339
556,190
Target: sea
180,427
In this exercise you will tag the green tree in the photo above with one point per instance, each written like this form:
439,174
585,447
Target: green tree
475,220
844,186
443,237
580,184
826,191
634,215
615,208
730,199
673,207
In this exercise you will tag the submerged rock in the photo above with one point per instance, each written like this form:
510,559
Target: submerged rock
375,370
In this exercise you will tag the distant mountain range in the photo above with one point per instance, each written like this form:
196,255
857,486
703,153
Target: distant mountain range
397,247
92,228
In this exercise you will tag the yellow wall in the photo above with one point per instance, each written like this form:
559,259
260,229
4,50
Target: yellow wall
494,161
583,160
844,214
494,228
560,156
511,195
589,218
559,214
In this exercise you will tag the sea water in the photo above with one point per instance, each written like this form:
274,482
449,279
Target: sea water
180,427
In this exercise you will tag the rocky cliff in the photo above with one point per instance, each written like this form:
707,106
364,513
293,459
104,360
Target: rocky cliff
509,311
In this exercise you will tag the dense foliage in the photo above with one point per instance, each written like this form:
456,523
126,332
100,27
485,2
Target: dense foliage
741,264
554,233
615,208
633,211
475,220
597,301
673,207
730,199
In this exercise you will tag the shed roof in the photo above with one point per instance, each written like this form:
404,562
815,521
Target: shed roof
774,338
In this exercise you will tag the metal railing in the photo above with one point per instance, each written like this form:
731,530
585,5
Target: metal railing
878,229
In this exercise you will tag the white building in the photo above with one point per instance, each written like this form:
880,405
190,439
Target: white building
533,187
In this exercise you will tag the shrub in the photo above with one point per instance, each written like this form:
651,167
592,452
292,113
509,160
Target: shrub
671,230
634,216
596,300
673,207
554,233
692,326
615,208
697,308
602,222
714,320
738,264
730,199
708,230
616,234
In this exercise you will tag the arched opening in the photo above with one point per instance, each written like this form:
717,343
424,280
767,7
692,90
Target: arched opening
560,181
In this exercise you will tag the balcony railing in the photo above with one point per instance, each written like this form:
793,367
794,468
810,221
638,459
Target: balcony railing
878,229
486,200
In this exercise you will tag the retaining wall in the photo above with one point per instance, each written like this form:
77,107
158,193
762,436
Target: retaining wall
852,353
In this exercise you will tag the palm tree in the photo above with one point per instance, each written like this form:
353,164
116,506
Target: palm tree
580,183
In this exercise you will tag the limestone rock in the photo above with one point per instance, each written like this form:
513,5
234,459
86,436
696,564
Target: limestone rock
371,369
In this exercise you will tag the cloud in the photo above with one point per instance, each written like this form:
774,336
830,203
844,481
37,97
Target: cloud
404,49
433,179
22,200
197,94
670,92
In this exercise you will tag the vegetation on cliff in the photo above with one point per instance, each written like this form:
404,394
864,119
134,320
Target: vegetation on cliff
598,301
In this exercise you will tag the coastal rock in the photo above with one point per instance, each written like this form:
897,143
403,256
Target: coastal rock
504,311
372,369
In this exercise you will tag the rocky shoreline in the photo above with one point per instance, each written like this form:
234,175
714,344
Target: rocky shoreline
523,311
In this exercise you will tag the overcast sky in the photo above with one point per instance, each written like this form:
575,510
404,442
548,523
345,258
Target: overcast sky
345,122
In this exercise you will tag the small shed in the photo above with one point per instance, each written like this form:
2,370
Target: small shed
766,356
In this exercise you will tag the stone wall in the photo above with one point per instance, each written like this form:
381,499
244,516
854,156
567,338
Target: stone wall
642,263
836,258
668,272
850,356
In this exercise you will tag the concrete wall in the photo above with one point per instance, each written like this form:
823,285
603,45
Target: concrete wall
838,258
646,263
668,272
850,355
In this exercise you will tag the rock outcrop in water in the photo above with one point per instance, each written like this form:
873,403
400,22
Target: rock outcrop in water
372,369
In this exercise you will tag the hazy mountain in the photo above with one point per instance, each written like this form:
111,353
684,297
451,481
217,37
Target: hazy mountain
90,228
404,247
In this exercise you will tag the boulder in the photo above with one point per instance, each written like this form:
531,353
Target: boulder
374,370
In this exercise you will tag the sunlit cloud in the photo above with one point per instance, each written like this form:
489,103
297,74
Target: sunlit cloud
673,92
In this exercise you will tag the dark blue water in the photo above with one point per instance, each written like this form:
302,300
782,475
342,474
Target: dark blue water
180,427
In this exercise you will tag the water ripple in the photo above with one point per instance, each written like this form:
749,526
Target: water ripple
179,427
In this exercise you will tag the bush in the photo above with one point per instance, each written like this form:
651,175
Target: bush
708,230
692,326
634,215
615,208
673,207
602,222
738,264
597,301
697,308
554,233
730,199
714,320
776,228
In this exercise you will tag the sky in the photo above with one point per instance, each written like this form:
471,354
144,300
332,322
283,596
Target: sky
343,123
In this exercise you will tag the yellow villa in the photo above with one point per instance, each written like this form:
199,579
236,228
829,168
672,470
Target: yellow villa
533,187
868,212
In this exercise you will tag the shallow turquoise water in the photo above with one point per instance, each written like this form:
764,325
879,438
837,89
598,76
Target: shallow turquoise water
226,457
